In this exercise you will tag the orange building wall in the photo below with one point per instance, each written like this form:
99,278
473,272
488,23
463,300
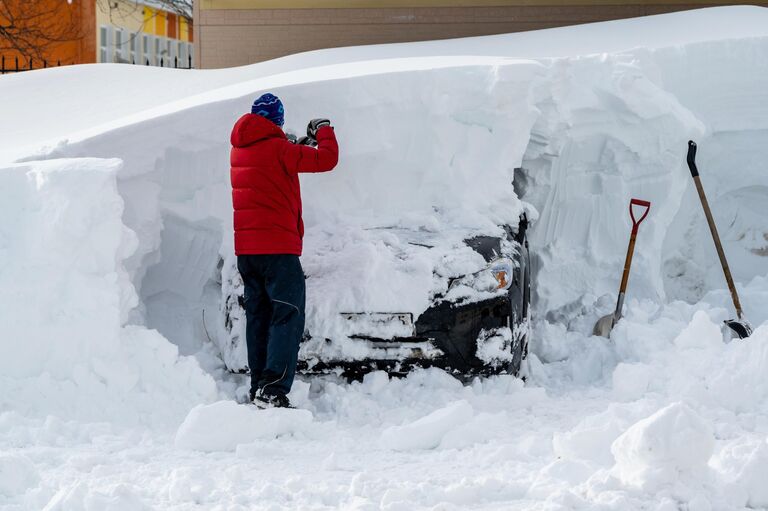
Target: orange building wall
180,28
80,50
161,23
89,42
172,26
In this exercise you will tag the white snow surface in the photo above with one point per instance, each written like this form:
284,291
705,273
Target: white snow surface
116,211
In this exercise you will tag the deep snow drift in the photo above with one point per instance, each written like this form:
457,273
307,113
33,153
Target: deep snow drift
116,224
68,352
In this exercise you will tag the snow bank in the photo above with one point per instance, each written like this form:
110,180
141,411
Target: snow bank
64,350
97,96
612,133
237,424
581,180
599,120
589,133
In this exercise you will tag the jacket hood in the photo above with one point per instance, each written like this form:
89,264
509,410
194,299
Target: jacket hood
251,128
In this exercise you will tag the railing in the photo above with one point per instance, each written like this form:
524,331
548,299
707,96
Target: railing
16,66
175,62
8,66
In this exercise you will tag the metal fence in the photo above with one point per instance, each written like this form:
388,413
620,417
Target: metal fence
176,63
15,65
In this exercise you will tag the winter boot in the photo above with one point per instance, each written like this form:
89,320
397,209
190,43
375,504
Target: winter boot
263,400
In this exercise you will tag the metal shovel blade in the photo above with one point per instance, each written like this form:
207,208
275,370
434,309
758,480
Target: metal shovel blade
741,328
604,326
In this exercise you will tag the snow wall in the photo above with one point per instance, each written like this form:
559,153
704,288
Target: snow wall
66,300
627,138
421,136
426,143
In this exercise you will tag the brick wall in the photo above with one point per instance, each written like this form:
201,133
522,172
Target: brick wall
235,37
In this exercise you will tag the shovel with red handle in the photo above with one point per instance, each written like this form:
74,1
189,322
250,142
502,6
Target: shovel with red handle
605,324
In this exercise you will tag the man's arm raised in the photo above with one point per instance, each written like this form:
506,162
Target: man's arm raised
301,158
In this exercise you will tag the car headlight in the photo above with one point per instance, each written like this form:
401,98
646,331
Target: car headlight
501,269
496,276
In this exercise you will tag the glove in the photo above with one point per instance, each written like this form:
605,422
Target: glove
314,125
292,138
311,142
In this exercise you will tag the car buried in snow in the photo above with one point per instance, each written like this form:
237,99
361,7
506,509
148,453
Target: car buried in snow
476,325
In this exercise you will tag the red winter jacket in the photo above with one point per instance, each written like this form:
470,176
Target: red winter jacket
265,184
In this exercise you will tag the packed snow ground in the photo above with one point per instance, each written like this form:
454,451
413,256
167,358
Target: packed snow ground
114,221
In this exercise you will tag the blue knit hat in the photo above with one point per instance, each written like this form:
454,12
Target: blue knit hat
269,106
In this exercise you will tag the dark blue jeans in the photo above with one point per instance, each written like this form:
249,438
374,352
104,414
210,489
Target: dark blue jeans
274,309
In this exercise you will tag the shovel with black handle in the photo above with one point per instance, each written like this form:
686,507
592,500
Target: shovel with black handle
605,324
740,325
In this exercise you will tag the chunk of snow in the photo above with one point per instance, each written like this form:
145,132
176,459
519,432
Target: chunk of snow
224,425
428,431
592,437
494,347
700,333
672,443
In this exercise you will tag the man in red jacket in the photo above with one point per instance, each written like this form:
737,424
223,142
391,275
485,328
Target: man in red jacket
268,238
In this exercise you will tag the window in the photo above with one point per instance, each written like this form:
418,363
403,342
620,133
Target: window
148,57
156,61
134,44
104,46
119,45
169,52
182,54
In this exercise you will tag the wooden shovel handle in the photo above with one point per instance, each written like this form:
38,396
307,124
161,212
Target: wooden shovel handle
631,248
712,227
630,252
